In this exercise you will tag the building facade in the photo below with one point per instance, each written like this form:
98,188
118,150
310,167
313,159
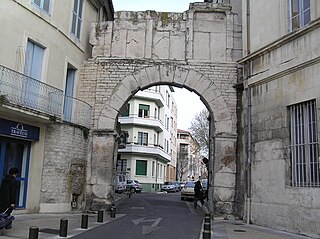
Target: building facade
189,164
281,107
44,126
148,152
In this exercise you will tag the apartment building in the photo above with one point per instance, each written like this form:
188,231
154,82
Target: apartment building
148,121
189,163
281,100
43,125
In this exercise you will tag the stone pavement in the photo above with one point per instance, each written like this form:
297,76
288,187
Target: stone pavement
237,229
49,224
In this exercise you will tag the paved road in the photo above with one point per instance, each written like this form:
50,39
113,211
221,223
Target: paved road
152,216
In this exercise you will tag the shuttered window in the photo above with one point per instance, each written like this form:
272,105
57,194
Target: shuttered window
141,167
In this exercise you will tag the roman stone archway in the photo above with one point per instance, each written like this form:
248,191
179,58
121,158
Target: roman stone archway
133,53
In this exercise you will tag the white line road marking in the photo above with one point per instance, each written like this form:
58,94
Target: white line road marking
147,229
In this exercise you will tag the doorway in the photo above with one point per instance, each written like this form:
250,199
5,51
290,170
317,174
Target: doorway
16,153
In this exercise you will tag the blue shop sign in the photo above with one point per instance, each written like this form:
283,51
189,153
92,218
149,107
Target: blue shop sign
19,130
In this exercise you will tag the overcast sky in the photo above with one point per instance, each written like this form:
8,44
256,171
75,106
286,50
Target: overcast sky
156,5
188,103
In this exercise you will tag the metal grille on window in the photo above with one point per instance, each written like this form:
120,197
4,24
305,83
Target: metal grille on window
304,145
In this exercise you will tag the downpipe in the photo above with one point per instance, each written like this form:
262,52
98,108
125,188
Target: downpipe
249,119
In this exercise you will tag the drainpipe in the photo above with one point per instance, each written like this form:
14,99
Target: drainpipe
249,118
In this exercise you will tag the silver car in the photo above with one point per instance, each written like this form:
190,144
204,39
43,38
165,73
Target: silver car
187,192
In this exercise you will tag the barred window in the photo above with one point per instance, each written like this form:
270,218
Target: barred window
304,145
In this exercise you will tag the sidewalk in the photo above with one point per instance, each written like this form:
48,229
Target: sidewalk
237,229
49,224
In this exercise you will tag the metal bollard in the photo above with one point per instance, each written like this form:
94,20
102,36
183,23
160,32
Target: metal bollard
113,211
207,219
84,221
33,232
207,226
100,216
63,227
206,235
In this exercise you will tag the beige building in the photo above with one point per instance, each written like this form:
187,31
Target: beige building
189,164
281,110
149,123
44,127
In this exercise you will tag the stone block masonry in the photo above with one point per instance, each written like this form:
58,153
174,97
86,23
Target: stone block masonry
64,168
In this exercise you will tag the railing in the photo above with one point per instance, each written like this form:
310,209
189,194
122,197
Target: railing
24,91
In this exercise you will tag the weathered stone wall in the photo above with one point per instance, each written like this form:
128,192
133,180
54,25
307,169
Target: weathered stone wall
114,74
64,168
197,50
283,74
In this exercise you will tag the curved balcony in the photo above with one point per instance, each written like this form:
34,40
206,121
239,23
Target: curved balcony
30,94
155,96
149,121
150,150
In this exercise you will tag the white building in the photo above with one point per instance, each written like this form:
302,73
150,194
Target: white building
189,164
43,126
148,121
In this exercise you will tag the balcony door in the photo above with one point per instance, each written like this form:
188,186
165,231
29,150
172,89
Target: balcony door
33,69
68,95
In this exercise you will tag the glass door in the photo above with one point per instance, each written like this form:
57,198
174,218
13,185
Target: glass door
16,153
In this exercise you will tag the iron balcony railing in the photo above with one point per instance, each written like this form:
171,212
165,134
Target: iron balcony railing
24,91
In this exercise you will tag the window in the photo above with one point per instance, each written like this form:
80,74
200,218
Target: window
143,111
155,113
299,13
77,18
68,94
121,165
152,169
141,167
142,138
42,4
125,112
33,61
304,145
33,69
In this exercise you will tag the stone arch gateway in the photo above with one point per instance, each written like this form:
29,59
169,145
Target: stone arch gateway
197,50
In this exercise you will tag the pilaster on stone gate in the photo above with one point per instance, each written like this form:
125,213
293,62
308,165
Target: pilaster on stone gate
104,146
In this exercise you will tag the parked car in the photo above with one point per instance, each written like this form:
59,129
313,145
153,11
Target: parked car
120,183
134,186
169,186
187,192
178,186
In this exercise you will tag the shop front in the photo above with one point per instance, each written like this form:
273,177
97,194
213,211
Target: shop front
15,144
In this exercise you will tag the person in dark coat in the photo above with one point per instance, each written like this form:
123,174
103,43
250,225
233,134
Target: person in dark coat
198,193
8,191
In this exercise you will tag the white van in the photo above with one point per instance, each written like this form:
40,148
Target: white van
120,183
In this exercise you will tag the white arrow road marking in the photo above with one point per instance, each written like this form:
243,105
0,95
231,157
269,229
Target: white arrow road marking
147,229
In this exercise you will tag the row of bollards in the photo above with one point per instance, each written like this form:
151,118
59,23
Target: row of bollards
63,231
206,234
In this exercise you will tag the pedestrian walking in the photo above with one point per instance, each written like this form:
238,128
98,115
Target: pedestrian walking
198,193
8,191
